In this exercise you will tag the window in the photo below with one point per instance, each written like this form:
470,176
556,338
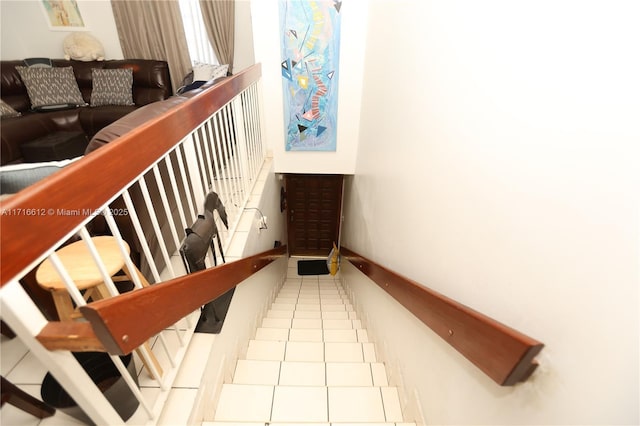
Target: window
200,49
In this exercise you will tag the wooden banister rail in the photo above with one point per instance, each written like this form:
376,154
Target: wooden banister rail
125,322
504,354
72,336
31,222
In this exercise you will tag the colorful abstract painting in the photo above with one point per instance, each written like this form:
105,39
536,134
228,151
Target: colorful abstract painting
310,32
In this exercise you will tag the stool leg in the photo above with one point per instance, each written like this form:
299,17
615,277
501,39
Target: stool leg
63,303
146,347
143,279
103,292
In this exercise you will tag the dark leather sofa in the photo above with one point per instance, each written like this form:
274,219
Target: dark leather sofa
151,83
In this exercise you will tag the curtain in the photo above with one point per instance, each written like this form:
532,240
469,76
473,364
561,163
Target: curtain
219,19
153,29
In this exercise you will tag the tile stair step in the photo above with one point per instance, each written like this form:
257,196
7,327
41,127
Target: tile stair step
216,423
308,404
283,350
305,373
311,362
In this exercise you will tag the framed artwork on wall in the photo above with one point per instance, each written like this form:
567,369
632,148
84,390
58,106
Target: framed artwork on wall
310,50
63,15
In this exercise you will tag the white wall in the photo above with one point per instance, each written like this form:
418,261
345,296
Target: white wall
39,40
243,42
25,32
264,200
498,164
266,30
268,204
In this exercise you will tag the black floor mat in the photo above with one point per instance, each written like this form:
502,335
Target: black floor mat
313,267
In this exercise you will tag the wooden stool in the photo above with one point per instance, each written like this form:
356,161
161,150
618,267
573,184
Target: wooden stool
84,272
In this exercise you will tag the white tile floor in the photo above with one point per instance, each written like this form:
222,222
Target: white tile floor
20,367
310,362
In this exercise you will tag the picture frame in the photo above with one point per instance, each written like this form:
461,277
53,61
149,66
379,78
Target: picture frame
63,15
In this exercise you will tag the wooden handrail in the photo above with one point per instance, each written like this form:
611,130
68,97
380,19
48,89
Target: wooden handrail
504,354
125,322
30,222
70,336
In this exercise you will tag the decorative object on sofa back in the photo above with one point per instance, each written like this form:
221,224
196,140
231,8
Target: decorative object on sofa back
51,88
82,46
38,62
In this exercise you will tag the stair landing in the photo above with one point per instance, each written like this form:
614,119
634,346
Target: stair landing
311,361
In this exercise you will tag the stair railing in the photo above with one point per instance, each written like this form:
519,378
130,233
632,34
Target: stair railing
502,353
144,189
122,329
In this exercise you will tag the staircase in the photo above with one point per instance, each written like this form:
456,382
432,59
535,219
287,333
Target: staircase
311,361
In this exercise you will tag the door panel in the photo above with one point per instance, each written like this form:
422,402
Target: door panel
313,213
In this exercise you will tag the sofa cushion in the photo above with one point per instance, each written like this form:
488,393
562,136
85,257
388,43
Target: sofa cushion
32,125
54,146
15,178
112,87
7,111
50,87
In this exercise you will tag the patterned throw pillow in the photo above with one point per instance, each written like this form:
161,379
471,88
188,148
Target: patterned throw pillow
51,86
7,111
112,87
206,72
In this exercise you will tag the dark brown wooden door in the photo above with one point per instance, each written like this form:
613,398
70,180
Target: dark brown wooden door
313,213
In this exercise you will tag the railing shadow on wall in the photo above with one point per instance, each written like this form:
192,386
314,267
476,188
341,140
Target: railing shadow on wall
161,169
502,353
